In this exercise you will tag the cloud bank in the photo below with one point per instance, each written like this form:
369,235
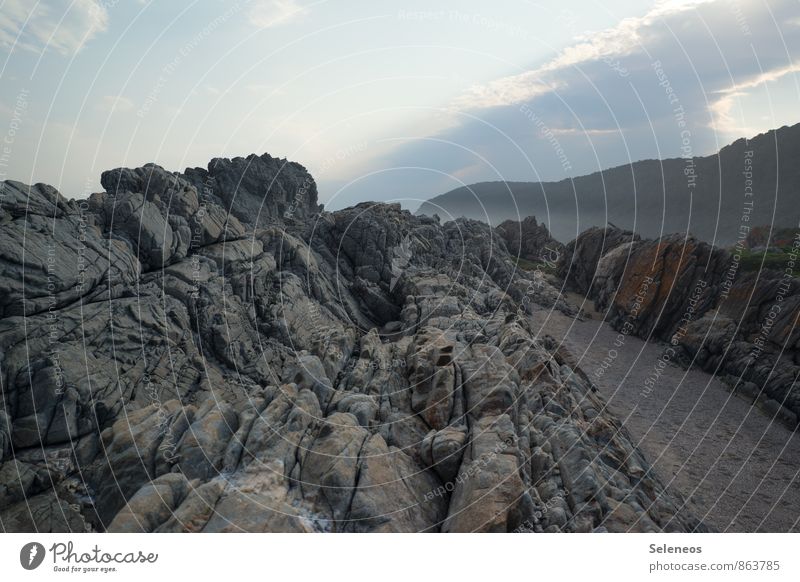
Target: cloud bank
681,79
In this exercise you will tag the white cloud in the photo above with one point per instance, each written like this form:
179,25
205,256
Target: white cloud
722,110
506,91
116,103
269,13
60,25
619,40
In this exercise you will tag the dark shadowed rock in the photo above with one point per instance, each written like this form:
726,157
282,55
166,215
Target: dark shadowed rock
530,240
257,189
580,258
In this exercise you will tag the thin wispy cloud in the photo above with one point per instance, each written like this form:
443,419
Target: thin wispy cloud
722,109
271,13
116,103
64,26
506,91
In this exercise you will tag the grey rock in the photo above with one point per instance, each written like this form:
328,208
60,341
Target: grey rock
714,313
238,359
580,258
530,240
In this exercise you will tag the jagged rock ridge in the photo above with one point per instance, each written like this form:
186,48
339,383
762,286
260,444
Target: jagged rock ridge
211,351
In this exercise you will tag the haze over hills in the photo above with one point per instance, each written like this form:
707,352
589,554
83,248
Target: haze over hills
748,183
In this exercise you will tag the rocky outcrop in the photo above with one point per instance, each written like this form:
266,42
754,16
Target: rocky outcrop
53,252
752,339
737,324
654,287
257,189
210,351
529,240
578,262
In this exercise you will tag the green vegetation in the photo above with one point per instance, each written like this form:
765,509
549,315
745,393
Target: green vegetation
753,261
526,265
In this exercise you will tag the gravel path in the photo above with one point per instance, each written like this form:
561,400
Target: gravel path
738,470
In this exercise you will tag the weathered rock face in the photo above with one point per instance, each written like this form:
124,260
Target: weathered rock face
752,339
580,258
740,325
530,240
653,287
53,253
257,189
234,359
160,214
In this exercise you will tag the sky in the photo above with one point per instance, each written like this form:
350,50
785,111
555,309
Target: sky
387,100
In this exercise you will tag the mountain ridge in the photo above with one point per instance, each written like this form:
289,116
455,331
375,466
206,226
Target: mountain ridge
712,209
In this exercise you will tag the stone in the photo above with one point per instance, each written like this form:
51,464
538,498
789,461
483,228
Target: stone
214,352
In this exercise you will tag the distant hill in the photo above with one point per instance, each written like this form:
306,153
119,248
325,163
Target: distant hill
703,195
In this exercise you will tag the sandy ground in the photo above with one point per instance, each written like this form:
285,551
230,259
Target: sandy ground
736,469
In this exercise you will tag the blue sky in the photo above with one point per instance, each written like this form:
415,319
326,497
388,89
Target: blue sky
381,102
